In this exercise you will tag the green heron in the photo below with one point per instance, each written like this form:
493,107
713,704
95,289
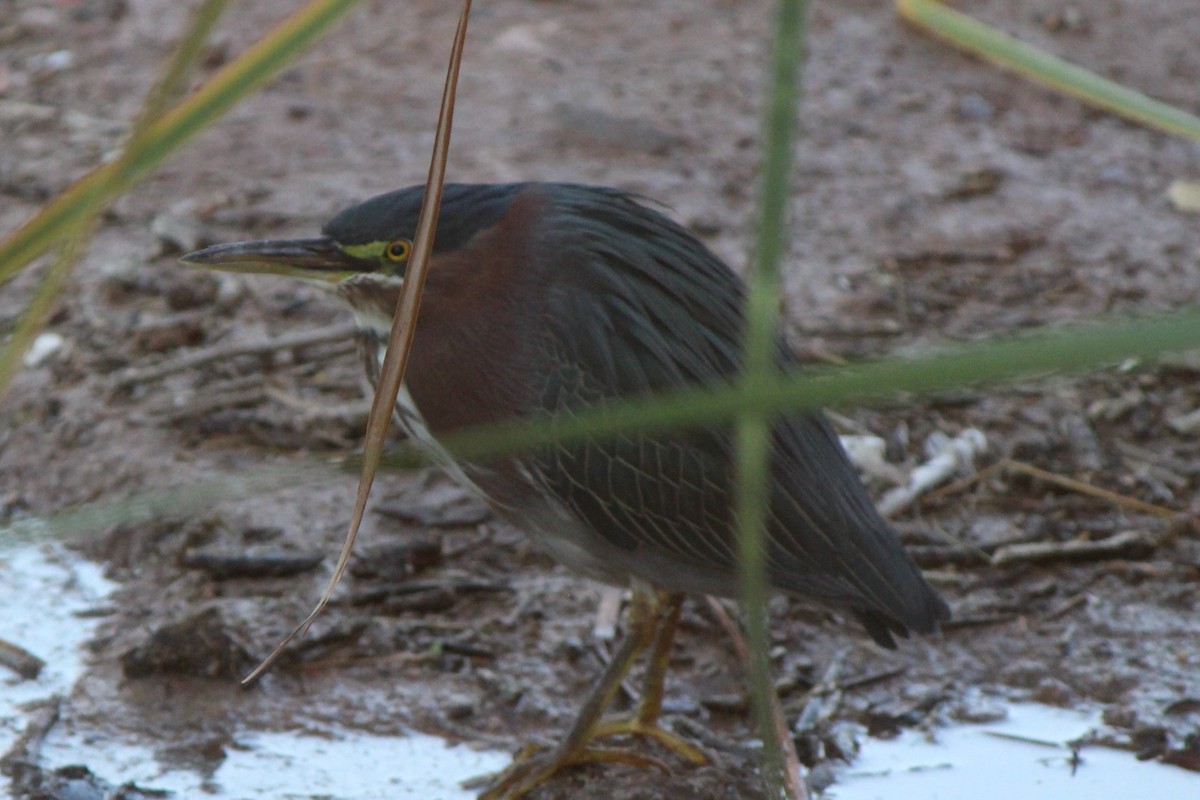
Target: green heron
545,299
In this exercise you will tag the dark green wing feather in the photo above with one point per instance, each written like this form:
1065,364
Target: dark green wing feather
639,306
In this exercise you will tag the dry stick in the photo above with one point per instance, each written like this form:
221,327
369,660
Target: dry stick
404,326
1066,607
1121,500
1071,484
793,775
212,402
25,748
20,660
1130,544
874,677
391,659
222,352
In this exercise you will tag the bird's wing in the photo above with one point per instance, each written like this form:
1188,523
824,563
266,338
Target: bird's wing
628,317
642,308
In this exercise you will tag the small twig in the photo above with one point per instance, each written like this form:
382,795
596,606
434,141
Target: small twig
955,555
20,660
873,678
1070,484
222,352
1016,737
465,585
392,659
1081,487
226,565
1131,544
978,621
235,394
1066,607
24,749
816,697
950,457
354,411
608,612
793,777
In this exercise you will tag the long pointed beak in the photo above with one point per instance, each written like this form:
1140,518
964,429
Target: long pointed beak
315,259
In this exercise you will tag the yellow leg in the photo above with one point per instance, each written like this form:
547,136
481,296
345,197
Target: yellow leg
644,722
651,618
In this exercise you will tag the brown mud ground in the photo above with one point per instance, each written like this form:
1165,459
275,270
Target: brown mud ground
937,201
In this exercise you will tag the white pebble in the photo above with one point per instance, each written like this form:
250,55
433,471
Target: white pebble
59,60
45,347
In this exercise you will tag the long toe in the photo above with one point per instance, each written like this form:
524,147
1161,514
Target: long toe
633,726
529,772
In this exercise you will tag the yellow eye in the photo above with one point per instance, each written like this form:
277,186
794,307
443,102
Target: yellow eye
398,250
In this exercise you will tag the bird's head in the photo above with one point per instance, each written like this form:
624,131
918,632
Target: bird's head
362,254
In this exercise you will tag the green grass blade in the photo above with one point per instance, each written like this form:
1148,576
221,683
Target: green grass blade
753,431
169,131
999,48
75,235
183,60
37,311
1062,351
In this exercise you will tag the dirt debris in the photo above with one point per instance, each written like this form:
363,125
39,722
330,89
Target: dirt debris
937,200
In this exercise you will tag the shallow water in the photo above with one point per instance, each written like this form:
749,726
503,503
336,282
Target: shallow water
340,765
984,762
46,590
49,588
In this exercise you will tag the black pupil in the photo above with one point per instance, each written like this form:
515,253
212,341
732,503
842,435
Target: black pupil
397,250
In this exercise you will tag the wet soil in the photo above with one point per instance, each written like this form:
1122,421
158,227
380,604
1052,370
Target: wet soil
936,200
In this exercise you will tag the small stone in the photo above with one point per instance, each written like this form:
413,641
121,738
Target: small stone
1185,424
1082,438
460,709
1114,408
975,183
298,112
1023,673
39,19
1054,692
395,562
193,292
887,719
977,710
59,60
974,107
1120,717
46,346
842,743
529,39
728,703
598,128
1030,445
201,646
1106,685
820,777
169,334
179,230
1149,741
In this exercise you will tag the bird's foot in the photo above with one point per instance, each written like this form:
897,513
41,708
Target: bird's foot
531,768
635,726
